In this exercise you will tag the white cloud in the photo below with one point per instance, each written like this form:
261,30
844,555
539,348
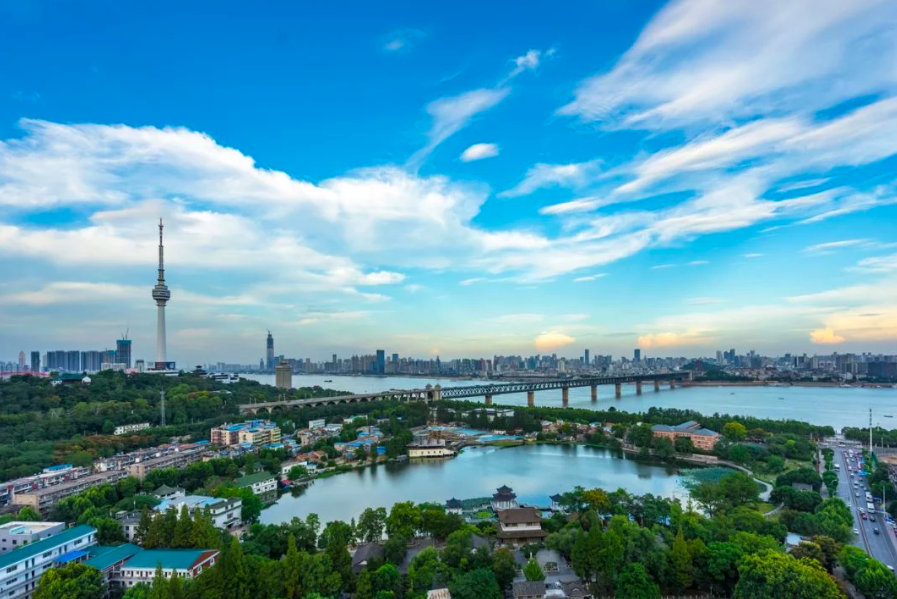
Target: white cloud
401,40
580,205
479,152
698,62
550,175
752,255
825,336
472,281
552,340
878,264
835,245
413,287
594,277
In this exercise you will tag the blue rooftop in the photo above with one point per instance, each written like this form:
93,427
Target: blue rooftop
71,556
22,553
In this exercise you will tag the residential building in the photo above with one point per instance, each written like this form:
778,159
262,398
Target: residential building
20,570
365,554
130,428
42,499
225,512
504,499
141,566
176,459
129,522
49,477
519,526
18,534
261,483
123,352
453,506
256,432
109,559
701,438
430,448
439,594
528,589
35,361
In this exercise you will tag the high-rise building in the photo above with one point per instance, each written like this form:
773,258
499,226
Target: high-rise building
269,353
123,352
586,356
283,375
381,361
35,361
73,361
637,355
161,295
21,360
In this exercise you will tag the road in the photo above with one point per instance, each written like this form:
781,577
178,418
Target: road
879,546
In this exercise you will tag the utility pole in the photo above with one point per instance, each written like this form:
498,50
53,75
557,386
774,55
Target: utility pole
162,407
870,433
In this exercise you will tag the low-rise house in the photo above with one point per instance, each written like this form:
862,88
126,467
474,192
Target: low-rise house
261,483
528,589
141,567
21,569
365,554
519,526
701,438
439,594
18,534
453,506
109,559
166,492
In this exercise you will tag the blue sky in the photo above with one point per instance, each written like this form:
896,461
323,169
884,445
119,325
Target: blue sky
460,179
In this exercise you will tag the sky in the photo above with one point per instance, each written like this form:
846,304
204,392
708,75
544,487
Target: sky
453,179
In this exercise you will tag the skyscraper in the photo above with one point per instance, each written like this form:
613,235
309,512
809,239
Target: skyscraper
161,295
283,375
123,352
638,355
21,360
381,361
269,344
73,361
586,358
35,361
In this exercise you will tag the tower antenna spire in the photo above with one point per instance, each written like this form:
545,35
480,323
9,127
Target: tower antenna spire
161,295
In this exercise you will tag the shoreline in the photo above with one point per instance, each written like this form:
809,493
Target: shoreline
774,384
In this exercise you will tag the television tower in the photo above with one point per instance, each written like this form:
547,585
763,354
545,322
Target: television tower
161,295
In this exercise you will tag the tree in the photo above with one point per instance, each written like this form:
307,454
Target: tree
773,575
504,567
423,571
533,571
337,538
680,560
404,520
734,431
159,588
175,586
663,447
876,581
72,581
718,567
235,575
364,586
635,583
143,526
387,578
684,445
292,571
370,525
28,514
775,464
738,488
641,435
477,584
297,473
183,530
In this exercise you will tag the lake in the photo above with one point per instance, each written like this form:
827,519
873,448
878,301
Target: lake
834,406
534,472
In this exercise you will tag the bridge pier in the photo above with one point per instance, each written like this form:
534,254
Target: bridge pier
672,384
618,390
488,400
638,387
594,392
530,398
565,396
656,385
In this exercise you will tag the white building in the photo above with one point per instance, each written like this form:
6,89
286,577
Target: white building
20,570
432,448
18,534
260,483
314,424
226,512
141,567
130,428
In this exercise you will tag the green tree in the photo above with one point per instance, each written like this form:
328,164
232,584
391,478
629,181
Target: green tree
292,571
236,577
404,520
183,530
734,431
337,539
738,488
28,514
504,567
175,586
297,473
635,583
72,581
876,581
143,526
138,591
684,445
532,570
641,435
663,447
718,567
477,584
159,588
387,578
680,560
772,575
364,586
371,524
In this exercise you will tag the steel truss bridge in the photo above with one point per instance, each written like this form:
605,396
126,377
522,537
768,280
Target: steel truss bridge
430,393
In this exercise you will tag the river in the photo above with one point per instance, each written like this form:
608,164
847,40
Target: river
534,472
834,406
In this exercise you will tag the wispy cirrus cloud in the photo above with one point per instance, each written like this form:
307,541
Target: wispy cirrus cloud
401,40
479,152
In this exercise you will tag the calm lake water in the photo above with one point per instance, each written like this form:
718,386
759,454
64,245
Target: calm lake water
534,472
833,406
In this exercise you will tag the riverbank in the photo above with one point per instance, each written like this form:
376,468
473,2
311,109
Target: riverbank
824,384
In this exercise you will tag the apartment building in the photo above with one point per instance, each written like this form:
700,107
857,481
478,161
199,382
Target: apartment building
44,499
18,534
701,438
176,459
225,512
54,475
21,569
252,432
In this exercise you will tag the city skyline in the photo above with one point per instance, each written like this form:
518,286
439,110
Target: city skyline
514,186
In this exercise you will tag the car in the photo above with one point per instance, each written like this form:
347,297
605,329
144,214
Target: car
891,568
863,515
876,531
856,531
871,518
857,493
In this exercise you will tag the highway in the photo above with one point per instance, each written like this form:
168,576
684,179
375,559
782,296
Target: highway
880,546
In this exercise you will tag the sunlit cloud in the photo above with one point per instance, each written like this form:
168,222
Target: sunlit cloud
825,337
551,341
